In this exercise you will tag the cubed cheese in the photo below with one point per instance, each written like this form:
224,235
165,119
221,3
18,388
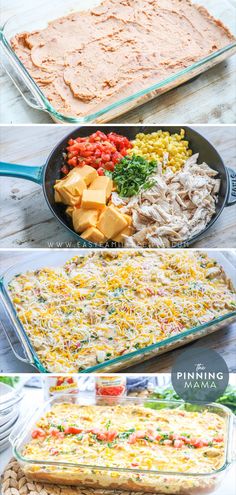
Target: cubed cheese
83,219
70,188
93,235
129,230
93,199
69,199
87,173
57,197
69,210
128,218
73,183
104,183
111,222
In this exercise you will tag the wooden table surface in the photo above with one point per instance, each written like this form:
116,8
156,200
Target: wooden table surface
208,99
222,341
27,221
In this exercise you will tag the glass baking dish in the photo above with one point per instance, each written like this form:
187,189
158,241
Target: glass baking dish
15,331
38,18
134,479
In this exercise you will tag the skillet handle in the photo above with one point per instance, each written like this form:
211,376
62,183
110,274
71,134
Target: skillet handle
27,172
231,199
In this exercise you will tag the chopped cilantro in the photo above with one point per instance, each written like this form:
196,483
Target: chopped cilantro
132,174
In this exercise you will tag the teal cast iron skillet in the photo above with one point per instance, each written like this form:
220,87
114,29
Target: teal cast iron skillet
47,174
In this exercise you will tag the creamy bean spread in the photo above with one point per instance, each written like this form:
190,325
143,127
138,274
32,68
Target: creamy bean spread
87,60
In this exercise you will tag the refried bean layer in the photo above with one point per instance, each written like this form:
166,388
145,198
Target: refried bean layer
87,60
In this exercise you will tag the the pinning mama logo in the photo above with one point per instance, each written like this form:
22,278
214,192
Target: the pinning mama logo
200,375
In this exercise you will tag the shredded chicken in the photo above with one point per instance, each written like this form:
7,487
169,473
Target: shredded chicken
177,207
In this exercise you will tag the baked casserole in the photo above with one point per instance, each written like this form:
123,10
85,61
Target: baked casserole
104,305
126,446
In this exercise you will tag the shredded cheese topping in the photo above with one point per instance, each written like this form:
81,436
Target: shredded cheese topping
130,436
103,305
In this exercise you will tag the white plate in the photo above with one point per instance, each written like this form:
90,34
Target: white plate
5,434
9,414
8,424
6,393
9,396
4,446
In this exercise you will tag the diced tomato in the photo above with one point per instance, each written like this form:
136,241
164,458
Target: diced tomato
192,441
132,438
100,171
54,451
73,430
167,442
199,444
72,161
101,135
71,154
89,161
134,464
140,434
205,443
109,166
116,156
38,432
105,157
54,432
101,436
87,153
218,439
97,153
178,444
110,149
111,435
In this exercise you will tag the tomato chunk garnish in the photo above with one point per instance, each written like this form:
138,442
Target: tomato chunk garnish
72,430
38,432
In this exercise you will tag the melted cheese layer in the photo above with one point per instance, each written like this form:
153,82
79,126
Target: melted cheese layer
103,305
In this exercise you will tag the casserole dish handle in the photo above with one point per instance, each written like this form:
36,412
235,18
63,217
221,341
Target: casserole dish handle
20,426
13,338
27,172
20,77
231,199
13,344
